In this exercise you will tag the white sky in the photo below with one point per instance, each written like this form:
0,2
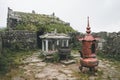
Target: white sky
104,14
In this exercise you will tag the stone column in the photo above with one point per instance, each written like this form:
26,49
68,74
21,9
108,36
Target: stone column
0,44
53,47
43,46
67,41
46,45
62,43
57,42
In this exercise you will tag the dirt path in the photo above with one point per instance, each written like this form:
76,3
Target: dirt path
35,69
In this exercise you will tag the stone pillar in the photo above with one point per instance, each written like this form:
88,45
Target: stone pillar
43,46
0,44
67,41
46,42
53,47
57,42
62,43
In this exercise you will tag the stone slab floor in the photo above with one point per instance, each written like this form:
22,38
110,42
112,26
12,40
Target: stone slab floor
34,68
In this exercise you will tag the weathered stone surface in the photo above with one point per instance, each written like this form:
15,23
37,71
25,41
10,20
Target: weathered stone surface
65,71
92,78
67,62
50,71
41,64
17,78
40,76
0,44
19,39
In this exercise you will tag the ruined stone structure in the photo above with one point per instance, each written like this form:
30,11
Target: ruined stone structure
18,40
0,43
21,39
12,19
15,17
111,46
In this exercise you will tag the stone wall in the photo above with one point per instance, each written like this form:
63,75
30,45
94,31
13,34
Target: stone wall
112,44
0,44
19,39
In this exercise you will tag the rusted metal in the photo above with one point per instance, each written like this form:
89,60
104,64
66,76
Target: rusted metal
64,52
88,53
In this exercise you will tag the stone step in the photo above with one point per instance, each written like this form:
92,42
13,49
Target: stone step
68,62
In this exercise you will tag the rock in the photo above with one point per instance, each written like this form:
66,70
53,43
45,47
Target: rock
69,75
40,76
92,78
54,78
114,79
62,77
27,72
96,74
105,75
63,66
35,60
31,64
68,62
113,68
17,78
40,64
108,65
66,71
76,55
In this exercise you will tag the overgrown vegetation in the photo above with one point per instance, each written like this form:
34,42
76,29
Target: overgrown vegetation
11,59
48,23
54,57
112,60
2,29
12,56
86,75
111,48
75,44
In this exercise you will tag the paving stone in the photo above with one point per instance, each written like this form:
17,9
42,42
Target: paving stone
68,62
40,76
41,64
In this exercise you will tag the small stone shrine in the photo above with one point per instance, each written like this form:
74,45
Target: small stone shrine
52,41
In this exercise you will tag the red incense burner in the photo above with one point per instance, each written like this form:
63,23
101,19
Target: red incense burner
88,54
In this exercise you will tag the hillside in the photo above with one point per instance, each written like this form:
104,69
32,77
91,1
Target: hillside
35,22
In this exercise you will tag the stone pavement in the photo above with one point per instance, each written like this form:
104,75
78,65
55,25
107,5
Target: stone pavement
35,69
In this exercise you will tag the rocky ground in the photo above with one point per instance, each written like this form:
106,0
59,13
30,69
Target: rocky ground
34,68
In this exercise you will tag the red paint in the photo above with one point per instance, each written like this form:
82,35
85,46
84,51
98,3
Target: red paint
88,49
87,42
89,62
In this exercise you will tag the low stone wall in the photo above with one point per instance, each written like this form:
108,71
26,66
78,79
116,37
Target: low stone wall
112,45
0,44
19,39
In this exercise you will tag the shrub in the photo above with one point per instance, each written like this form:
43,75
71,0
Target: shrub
4,64
56,57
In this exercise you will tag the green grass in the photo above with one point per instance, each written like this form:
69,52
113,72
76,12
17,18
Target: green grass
10,59
113,61
36,22
85,76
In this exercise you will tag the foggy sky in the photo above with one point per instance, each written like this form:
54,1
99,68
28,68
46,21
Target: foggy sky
104,14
